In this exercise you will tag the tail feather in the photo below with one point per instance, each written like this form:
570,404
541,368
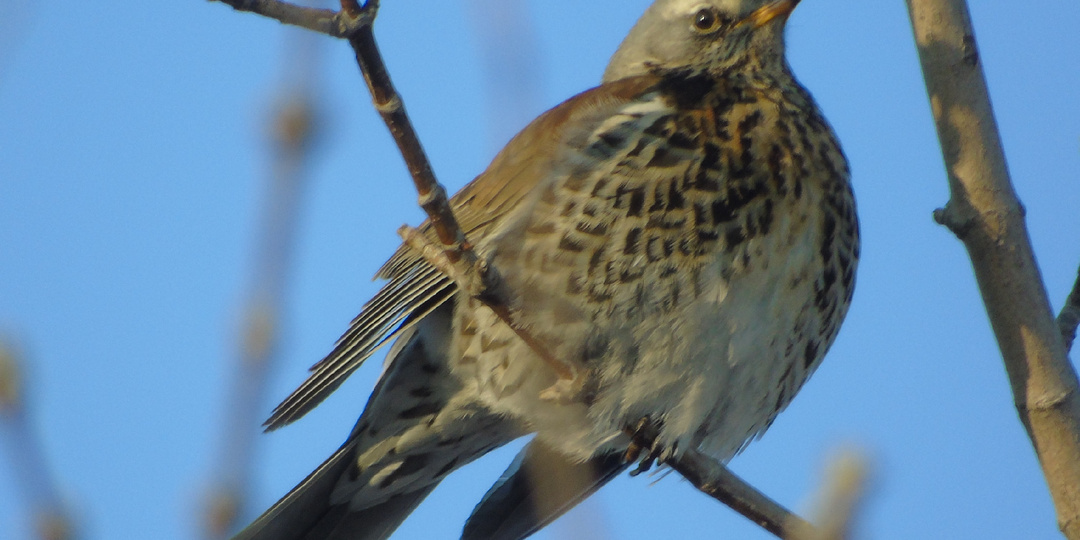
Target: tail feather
538,487
420,424
305,506
374,523
308,513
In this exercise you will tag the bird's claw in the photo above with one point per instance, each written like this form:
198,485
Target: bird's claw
644,446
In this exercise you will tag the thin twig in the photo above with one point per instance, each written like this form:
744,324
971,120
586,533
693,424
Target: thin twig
718,482
323,21
1044,384
1069,318
354,22
388,102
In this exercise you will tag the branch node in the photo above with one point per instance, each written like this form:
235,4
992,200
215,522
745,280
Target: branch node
351,8
391,105
430,252
947,216
352,18
1069,318
431,195
970,50
478,279
1047,402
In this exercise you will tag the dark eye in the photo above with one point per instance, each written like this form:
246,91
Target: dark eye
706,20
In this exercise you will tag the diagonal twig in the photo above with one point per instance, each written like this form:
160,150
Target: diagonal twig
323,21
717,481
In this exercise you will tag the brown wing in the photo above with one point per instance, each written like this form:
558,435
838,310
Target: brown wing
415,287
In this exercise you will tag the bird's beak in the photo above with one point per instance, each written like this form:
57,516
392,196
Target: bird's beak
762,15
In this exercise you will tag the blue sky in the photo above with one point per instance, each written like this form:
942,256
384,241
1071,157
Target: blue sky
132,167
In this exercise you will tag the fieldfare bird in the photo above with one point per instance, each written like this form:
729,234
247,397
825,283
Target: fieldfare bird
684,235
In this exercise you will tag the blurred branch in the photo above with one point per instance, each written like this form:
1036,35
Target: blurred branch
51,519
292,131
983,211
838,500
513,72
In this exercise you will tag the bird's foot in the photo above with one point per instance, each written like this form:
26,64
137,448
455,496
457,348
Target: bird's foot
644,446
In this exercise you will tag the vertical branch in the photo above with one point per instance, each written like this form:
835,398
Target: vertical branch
50,517
983,211
292,132
509,51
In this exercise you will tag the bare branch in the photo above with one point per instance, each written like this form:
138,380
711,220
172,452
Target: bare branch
390,106
718,482
1044,384
323,21
1069,317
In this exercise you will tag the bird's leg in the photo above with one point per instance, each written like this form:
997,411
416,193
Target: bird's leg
643,436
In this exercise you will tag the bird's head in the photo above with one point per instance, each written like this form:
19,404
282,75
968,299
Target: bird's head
704,36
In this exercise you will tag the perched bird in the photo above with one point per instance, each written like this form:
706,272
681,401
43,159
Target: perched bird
683,235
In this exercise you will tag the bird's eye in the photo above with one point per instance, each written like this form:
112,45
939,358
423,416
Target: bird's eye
706,20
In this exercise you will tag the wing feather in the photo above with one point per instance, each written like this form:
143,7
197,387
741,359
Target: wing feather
415,287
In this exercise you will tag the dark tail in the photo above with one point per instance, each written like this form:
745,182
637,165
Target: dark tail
306,513
538,487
